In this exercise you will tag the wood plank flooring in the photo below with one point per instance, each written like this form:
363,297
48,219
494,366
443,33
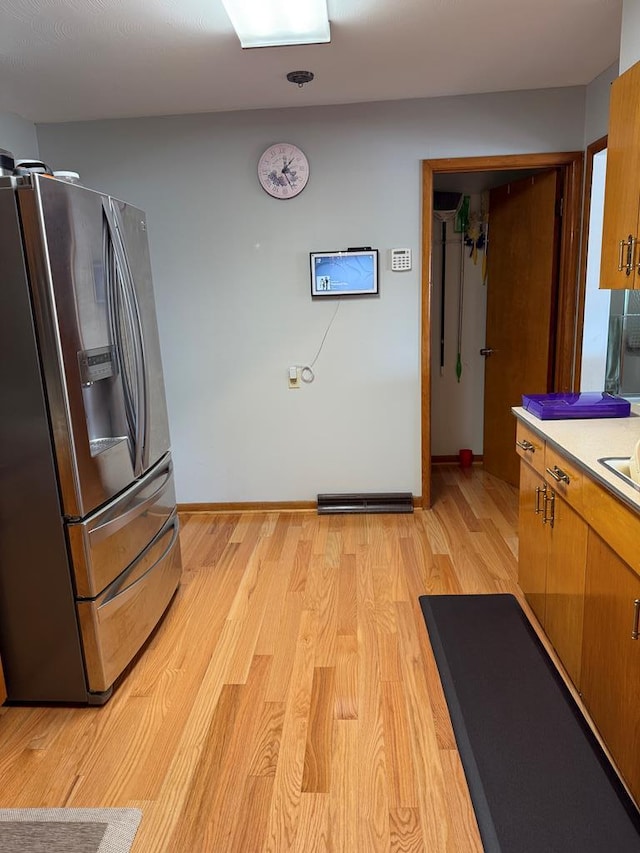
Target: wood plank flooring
289,701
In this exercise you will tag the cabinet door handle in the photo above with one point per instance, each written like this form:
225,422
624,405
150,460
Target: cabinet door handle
631,245
621,246
549,500
558,475
631,254
526,445
540,490
635,634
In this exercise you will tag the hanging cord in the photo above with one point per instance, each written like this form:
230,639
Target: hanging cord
485,199
443,278
460,308
462,225
446,208
306,372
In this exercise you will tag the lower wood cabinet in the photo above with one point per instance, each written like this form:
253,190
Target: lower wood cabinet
579,568
3,689
532,543
551,565
611,657
565,585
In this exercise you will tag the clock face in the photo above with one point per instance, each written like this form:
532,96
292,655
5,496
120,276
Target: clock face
283,170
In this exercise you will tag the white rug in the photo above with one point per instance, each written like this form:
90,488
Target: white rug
68,830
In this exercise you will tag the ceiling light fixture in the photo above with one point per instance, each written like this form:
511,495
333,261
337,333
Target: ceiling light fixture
300,77
273,23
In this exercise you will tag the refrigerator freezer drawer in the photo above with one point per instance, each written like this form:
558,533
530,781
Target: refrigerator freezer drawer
115,625
108,541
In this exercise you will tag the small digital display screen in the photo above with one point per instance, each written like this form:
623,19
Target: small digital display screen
348,273
97,363
103,358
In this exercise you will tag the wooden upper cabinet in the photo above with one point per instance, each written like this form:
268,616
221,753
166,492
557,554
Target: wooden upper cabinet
620,231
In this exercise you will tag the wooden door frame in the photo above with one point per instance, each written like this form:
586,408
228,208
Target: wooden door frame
592,149
572,164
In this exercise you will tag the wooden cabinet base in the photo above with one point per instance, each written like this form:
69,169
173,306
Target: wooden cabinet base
551,565
565,586
579,568
532,547
611,658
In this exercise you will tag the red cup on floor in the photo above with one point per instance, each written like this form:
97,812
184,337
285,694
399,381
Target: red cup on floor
466,457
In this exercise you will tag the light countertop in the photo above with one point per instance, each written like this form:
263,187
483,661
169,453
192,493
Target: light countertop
586,441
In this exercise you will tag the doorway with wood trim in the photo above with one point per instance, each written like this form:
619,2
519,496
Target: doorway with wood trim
567,167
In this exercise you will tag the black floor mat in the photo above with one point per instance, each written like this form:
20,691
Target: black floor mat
538,778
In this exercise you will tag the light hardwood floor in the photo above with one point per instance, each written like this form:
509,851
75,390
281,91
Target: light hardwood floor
289,701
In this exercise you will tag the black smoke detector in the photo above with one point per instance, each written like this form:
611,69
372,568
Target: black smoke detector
300,77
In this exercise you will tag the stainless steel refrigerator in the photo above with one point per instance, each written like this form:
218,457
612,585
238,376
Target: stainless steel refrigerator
89,549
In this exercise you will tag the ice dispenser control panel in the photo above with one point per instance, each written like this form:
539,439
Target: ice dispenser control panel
98,363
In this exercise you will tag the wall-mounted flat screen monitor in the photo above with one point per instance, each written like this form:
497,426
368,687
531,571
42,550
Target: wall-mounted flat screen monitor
353,272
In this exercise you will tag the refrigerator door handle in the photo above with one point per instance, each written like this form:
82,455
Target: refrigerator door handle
114,313
144,374
122,335
139,387
125,278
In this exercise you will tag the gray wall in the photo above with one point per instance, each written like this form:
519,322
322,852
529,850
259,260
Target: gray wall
232,282
630,36
18,136
597,105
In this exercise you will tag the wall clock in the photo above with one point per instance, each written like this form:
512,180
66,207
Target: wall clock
283,170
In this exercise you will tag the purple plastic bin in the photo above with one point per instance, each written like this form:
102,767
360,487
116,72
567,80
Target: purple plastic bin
593,404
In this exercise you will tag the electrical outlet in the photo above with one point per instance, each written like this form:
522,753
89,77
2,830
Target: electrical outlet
294,377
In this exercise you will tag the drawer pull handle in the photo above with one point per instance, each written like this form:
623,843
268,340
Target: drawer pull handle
558,475
635,634
526,445
549,500
540,490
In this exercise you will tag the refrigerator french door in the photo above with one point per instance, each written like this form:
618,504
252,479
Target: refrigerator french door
89,548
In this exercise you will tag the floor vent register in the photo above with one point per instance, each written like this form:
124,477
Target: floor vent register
363,502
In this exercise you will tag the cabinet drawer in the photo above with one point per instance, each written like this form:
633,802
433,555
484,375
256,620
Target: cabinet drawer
615,522
564,477
530,447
